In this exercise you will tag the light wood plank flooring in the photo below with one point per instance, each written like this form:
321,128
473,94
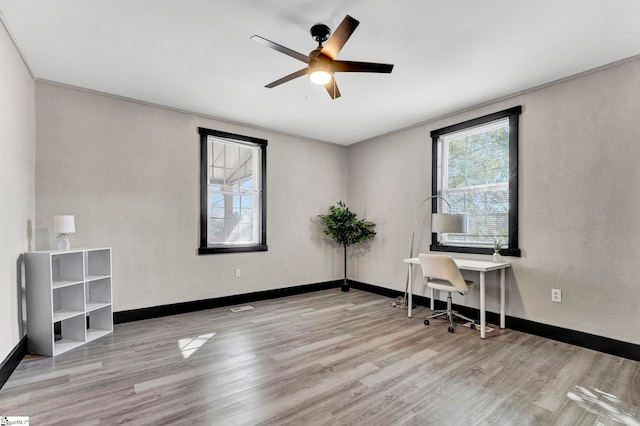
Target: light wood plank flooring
324,358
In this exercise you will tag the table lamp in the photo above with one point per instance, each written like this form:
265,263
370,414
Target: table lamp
441,222
449,223
63,225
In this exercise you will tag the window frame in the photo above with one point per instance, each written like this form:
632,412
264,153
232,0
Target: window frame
204,199
513,115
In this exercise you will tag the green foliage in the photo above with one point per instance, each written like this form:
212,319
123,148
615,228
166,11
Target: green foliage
480,159
344,227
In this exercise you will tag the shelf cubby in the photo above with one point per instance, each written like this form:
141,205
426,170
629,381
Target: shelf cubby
66,268
99,322
68,301
98,264
98,294
72,334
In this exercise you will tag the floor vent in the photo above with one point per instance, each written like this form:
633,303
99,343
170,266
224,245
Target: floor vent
242,308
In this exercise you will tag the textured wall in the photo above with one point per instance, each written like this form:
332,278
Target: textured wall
130,174
17,191
579,198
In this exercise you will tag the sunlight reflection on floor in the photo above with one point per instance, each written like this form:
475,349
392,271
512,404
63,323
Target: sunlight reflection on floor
603,404
188,346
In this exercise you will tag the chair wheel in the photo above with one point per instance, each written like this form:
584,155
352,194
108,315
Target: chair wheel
451,329
426,322
473,326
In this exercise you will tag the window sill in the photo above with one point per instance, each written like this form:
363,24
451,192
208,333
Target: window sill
239,249
475,250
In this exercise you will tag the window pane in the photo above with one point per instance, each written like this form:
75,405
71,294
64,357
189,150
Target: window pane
476,181
216,231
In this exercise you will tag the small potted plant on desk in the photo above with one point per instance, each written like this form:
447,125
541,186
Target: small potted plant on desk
346,229
497,245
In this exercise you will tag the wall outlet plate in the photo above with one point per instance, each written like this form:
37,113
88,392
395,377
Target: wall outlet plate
556,295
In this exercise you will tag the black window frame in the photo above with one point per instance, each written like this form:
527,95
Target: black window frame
262,143
513,114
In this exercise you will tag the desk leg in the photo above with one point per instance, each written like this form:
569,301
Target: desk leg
483,316
410,291
502,321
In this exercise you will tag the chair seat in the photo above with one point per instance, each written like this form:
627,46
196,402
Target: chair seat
445,285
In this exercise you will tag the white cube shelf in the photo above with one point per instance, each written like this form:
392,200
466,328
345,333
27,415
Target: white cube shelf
69,298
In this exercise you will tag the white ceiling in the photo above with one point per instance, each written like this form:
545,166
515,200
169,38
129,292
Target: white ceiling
196,55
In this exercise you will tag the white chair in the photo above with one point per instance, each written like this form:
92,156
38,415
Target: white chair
441,273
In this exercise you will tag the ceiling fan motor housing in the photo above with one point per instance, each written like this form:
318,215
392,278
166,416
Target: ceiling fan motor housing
319,62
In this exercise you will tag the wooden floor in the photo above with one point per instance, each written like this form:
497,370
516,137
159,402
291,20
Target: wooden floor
324,358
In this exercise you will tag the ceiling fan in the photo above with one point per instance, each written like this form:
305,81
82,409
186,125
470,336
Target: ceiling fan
322,62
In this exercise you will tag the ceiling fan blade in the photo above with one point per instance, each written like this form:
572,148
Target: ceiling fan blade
336,42
332,89
286,78
350,66
281,49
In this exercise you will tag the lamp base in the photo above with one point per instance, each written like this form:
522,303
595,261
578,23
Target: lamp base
63,242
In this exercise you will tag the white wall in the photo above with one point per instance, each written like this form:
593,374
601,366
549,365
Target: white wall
17,191
129,173
579,198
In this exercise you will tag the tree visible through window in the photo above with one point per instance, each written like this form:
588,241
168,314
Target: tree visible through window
232,193
475,171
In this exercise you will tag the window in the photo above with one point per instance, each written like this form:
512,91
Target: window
475,169
232,192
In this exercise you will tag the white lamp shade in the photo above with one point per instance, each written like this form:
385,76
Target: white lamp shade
449,223
64,224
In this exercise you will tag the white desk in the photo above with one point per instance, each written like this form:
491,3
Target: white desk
468,265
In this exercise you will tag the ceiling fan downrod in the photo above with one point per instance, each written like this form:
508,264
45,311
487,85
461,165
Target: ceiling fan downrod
320,33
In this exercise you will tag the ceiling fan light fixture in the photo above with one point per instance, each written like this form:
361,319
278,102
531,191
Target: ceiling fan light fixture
320,71
320,77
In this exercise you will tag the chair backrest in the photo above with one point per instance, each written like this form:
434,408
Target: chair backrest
442,267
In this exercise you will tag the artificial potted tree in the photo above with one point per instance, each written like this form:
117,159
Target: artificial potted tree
346,229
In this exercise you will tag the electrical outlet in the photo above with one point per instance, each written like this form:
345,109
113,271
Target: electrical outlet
238,273
556,295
